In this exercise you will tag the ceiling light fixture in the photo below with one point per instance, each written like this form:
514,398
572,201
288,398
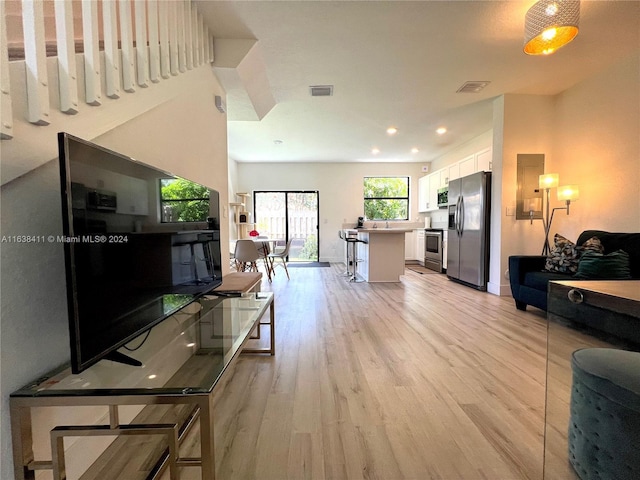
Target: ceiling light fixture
375,150
549,25
414,150
392,130
441,131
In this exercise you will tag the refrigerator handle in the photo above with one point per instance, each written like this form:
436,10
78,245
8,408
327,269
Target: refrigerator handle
455,216
458,216
461,215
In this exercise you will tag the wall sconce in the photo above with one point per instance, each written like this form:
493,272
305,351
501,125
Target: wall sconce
566,193
549,25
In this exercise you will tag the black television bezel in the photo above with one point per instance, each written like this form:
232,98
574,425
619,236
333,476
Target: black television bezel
78,363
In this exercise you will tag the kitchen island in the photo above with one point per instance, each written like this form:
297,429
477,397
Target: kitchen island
381,258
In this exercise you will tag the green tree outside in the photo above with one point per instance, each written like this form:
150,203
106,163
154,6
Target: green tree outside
386,198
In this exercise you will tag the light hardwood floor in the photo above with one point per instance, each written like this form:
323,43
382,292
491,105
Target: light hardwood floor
423,379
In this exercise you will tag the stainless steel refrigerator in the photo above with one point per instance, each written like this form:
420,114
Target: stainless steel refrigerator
468,239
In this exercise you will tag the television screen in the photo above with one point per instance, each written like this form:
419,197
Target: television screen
139,243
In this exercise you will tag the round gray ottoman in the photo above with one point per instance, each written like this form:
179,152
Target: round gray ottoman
604,427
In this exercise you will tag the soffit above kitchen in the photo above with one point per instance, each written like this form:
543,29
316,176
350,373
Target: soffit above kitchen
390,63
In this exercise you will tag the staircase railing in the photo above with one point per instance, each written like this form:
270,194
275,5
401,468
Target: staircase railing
124,45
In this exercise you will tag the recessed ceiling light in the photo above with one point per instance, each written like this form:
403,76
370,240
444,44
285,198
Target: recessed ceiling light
392,130
414,150
375,150
441,131
151,377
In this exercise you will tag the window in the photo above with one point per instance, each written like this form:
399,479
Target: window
386,198
183,201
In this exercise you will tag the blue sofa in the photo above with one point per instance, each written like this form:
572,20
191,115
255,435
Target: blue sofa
529,279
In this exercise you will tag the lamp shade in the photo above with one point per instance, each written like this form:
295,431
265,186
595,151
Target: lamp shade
548,180
549,25
568,192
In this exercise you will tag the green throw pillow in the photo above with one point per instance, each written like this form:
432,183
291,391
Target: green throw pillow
596,266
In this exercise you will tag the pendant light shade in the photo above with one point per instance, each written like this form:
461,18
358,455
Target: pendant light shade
549,25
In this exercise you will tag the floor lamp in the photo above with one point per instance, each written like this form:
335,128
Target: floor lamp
566,193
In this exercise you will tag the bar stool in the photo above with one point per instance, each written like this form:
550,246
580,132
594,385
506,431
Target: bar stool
353,275
342,236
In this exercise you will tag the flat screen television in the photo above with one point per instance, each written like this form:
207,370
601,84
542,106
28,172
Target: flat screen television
139,244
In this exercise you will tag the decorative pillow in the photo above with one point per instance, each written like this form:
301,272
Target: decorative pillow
596,266
563,257
592,245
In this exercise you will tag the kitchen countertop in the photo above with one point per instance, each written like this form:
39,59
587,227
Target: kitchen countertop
382,230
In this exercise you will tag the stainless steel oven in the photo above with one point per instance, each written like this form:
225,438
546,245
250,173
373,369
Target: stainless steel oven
433,249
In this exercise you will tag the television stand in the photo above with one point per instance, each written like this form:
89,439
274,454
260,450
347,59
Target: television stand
188,353
120,357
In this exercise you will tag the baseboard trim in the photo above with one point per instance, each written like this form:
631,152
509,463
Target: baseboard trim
500,290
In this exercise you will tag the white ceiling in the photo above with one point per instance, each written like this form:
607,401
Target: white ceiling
391,63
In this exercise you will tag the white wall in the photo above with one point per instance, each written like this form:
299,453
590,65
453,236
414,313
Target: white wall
185,135
597,146
590,137
340,187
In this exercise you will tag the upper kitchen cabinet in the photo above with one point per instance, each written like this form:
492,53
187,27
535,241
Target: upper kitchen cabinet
423,193
453,172
435,180
484,160
467,166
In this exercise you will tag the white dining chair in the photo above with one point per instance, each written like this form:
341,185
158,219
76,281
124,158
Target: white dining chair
246,255
282,255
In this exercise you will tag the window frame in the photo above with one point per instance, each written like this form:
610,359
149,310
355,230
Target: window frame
407,198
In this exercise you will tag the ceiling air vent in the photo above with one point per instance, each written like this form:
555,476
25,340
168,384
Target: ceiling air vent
321,90
472,87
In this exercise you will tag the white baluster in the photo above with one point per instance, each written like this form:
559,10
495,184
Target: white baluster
201,41
111,51
163,13
126,45
154,46
173,38
195,37
182,48
67,73
92,82
6,111
188,34
142,71
36,62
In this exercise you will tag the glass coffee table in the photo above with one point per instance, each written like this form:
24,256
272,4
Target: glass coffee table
184,358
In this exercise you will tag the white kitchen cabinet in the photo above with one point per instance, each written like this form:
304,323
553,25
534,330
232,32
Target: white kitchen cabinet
484,160
434,185
423,193
453,172
410,245
467,166
420,246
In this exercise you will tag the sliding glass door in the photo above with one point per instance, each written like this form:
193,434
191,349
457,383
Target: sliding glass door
289,215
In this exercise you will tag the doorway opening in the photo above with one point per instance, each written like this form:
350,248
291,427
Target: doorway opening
284,215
